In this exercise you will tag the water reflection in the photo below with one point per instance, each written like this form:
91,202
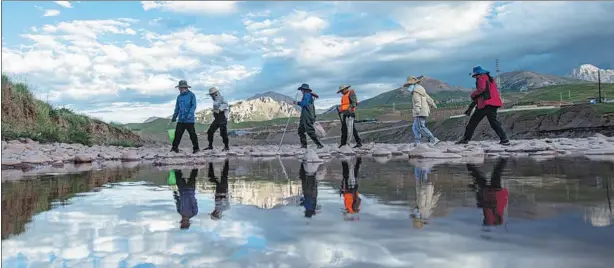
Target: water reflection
221,190
349,189
128,219
185,199
490,196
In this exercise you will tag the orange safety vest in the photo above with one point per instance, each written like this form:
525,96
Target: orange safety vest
350,202
345,102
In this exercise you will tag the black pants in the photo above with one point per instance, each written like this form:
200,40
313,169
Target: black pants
490,112
306,126
219,121
182,127
344,130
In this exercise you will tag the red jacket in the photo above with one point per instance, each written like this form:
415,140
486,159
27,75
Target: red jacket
495,202
486,92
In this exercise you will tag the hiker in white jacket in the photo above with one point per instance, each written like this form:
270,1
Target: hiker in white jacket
422,104
220,118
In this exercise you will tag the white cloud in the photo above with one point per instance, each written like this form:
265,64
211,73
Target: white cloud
192,7
51,13
65,4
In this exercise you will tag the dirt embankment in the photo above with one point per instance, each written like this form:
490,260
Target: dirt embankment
23,116
574,122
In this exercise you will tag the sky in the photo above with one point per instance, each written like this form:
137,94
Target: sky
119,61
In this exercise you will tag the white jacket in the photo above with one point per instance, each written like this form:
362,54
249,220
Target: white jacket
220,104
421,102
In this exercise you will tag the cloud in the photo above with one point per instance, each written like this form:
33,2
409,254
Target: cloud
189,7
51,13
65,4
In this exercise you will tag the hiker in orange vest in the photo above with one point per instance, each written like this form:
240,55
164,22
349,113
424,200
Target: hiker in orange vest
347,115
490,197
349,190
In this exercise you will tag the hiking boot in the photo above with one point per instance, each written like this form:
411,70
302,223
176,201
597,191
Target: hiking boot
195,151
320,146
462,142
435,141
209,148
226,149
175,150
505,143
357,145
303,146
341,145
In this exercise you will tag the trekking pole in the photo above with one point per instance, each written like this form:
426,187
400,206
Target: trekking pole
287,123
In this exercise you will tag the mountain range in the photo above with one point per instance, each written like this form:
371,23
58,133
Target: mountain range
270,104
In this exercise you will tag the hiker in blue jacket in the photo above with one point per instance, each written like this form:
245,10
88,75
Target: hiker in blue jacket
185,198
185,106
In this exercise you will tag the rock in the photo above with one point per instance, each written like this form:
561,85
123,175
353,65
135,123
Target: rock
7,162
600,152
346,150
4,145
19,147
35,159
311,156
382,159
58,164
130,156
83,158
311,168
380,151
268,154
405,148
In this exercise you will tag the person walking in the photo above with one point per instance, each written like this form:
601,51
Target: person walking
185,106
185,199
349,189
309,185
421,109
491,197
308,117
220,118
347,113
488,102
221,190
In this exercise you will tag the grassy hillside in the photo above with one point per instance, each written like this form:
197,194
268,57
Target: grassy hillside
571,93
402,96
23,116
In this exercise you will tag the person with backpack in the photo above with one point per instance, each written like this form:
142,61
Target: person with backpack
349,189
421,103
347,112
185,106
220,118
488,101
308,117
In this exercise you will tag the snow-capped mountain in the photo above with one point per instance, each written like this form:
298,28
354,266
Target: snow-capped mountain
589,72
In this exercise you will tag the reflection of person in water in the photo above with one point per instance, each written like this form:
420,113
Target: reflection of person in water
491,197
426,198
310,191
349,189
221,191
185,198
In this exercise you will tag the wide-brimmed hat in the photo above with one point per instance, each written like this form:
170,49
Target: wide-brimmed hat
411,80
183,84
304,87
342,87
213,90
477,70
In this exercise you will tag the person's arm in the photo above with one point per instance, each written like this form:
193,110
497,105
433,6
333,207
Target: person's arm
176,113
192,105
480,87
305,101
353,100
430,101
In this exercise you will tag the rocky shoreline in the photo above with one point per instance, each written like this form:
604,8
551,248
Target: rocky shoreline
24,157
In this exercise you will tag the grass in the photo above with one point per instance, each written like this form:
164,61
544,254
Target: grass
23,116
569,93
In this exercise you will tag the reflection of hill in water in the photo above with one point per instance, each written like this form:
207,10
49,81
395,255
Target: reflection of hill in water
262,194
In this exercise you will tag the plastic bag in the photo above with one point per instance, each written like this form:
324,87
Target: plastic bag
320,132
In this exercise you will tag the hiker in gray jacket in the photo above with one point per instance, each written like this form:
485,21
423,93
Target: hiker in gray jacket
220,118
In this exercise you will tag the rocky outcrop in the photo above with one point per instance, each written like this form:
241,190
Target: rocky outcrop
589,72
259,109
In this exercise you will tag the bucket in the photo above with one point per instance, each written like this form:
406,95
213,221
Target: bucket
171,178
171,134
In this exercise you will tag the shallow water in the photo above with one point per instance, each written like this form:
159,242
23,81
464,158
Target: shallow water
557,214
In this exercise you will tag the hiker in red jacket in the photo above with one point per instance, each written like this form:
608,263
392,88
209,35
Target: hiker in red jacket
488,101
491,198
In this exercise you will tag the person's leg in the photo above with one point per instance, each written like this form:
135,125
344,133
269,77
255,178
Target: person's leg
311,131
179,129
491,115
475,119
224,134
425,130
416,128
212,128
356,136
495,176
349,122
301,134
193,137
344,131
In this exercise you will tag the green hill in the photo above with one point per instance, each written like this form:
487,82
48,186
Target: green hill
569,93
23,116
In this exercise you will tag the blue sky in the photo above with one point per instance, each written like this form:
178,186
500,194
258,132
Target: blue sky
119,61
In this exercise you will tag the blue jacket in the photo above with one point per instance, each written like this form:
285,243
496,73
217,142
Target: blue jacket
185,106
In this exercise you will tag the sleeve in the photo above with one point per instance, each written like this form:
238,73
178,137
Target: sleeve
480,87
223,103
176,109
216,103
306,100
416,103
353,100
193,105
431,101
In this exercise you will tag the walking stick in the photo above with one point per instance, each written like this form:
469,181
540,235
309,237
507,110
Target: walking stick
285,128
